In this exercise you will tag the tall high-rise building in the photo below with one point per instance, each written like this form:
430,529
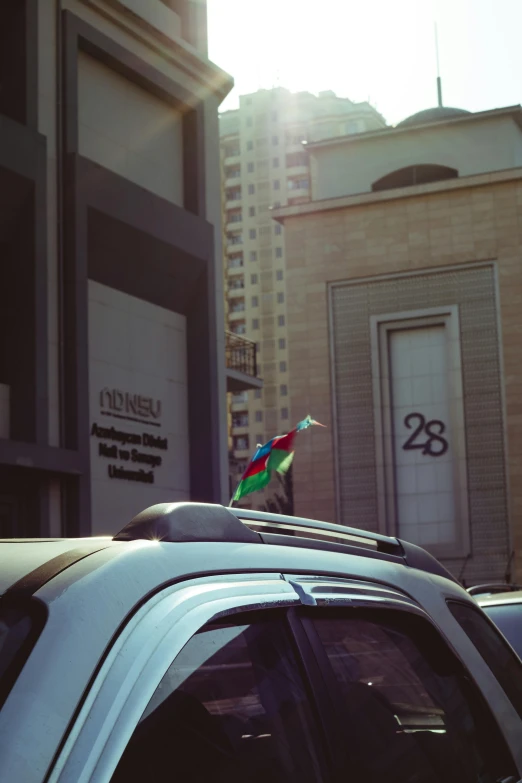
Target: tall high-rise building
265,165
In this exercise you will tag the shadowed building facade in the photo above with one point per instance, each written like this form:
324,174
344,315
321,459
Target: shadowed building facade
112,348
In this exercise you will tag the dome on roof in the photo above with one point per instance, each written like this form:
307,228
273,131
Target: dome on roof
432,115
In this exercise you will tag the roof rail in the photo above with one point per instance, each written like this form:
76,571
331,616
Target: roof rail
490,589
183,522
291,525
360,542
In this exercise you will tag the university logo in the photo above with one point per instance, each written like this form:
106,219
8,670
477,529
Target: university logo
125,403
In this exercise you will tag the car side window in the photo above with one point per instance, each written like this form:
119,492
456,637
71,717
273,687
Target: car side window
490,644
231,707
410,711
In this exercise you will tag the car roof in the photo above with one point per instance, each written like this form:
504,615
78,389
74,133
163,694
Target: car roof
166,533
23,557
498,599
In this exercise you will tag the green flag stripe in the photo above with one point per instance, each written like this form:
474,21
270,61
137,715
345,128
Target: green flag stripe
252,484
280,460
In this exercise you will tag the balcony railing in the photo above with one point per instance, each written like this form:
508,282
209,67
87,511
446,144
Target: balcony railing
241,354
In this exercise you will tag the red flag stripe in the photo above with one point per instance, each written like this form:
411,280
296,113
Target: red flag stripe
257,466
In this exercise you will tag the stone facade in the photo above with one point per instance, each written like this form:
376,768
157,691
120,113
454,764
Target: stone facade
464,224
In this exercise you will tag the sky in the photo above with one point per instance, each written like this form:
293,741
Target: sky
377,50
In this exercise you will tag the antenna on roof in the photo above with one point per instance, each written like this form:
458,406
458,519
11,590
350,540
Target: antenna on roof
439,82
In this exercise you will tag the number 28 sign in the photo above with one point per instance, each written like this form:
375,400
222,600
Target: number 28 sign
434,445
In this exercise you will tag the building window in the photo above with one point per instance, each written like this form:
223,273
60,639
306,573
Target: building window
249,122
279,252
284,413
251,190
259,439
279,274
277,204
257,394
251,211
248,101
250,146
250,168
253,255
240,442
282,343
274,116
255,323
280,298
255,301
258,347
259,415
253,279
283,390
252,233
275,140
280,320
275,163
414,175
277,184
278,229
282,366
240,419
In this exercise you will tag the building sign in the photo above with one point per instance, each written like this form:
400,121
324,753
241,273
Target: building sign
138,453
133,407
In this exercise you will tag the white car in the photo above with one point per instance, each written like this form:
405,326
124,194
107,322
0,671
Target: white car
503,603
206,643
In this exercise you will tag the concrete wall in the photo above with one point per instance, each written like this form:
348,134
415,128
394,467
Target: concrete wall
139,348
472,147
129,131
367,241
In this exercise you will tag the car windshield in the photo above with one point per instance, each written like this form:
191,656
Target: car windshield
20,626
508,617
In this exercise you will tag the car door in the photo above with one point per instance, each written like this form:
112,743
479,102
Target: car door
204,684
408,709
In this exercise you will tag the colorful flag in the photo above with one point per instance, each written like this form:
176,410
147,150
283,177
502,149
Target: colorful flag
276,455
308,422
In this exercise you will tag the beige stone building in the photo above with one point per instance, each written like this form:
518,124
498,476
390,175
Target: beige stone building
404,280
264,164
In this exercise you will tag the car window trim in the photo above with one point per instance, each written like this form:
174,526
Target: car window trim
129,675
320,695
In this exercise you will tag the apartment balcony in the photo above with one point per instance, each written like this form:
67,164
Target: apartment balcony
241,364
236,310
238,429
234,203
235,269
299,170
298,186
236,291
234,225
234,243
232,159
232,179
238,401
